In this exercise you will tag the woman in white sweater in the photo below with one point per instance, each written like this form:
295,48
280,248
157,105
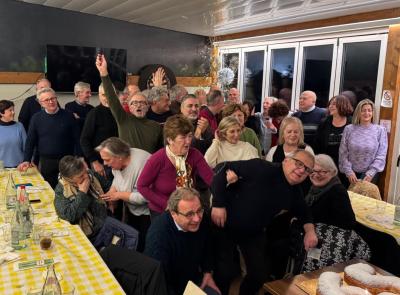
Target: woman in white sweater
226,145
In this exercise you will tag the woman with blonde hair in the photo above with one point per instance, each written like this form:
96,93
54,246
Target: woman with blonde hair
227,146
291,138
362,151
247,134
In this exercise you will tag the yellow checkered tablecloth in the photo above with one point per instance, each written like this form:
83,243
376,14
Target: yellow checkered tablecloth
364,206
79,263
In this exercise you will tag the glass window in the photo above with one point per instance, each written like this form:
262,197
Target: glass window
231,60
253,77
281,81
317,67
360,69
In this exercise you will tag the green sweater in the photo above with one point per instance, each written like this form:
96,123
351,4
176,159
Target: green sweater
248,135
140,133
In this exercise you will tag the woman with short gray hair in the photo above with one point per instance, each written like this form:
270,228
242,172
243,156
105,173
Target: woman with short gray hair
333,216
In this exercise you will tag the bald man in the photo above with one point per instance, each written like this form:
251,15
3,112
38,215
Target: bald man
310,115
233,96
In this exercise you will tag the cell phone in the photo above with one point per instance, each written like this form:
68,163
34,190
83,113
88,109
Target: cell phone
99,50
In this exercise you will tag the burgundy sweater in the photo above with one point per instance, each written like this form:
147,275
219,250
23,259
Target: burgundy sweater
158,178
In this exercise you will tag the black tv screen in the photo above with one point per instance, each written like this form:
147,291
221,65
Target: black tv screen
67,65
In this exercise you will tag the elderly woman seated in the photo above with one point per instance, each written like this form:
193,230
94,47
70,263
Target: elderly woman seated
77,201
334,218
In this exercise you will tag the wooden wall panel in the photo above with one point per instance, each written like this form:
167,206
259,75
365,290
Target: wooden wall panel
32,77
334,21
19,77
391,81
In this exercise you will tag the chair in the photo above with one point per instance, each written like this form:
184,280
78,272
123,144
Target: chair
366,188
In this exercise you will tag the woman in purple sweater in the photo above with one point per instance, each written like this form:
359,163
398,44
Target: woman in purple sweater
362,151
174,166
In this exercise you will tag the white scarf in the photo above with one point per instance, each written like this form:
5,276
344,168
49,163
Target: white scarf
183,179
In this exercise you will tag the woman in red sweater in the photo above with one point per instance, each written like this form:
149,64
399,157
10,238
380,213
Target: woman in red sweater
174,166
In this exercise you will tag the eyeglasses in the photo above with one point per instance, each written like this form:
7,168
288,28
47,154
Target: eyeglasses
137,102
191,214
49,99
320,172
300,165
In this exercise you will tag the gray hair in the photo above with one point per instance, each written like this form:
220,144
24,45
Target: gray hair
44,90
187,96
79,86
326,162
213,97
43,79
155,93
305,152
177,92
181,193
146,93
116,147
70,166
137,94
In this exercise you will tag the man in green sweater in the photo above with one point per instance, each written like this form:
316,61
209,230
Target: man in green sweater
138,131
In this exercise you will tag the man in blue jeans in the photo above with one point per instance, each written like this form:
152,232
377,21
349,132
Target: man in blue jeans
179,238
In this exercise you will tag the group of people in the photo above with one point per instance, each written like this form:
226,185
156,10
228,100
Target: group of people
192,181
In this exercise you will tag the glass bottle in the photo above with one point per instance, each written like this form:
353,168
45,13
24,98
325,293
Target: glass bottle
51,285
18,235
11,192
26,209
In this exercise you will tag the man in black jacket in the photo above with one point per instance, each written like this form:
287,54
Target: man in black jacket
245,203
179,239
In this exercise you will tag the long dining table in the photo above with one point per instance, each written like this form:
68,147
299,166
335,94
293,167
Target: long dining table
375,214
77,262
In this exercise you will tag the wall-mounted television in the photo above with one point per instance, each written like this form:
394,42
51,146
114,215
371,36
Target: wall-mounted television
66,65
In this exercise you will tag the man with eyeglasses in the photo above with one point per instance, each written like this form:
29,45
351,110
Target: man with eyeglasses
134,128
179,238
54,132
244,205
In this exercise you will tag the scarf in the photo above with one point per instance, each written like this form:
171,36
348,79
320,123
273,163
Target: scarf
86,223
183,169
316,193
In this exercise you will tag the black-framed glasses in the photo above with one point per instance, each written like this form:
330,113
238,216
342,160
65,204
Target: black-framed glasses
320,172
300,165
191,214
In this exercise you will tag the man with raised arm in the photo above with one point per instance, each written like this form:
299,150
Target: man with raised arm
139,132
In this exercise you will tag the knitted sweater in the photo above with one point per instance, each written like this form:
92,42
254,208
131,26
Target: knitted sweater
99,125
140,133
54,135
363,149
222,151
184,255
158,178
248,135
80,110
30,107
310,121
12,143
